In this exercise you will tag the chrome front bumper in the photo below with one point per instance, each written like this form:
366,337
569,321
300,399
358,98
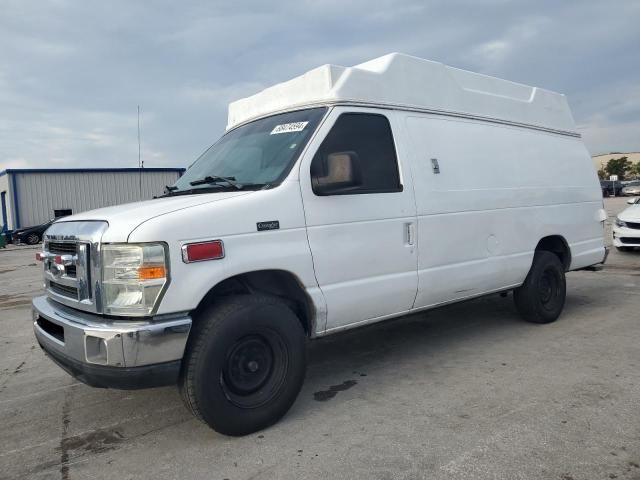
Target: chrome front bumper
106,352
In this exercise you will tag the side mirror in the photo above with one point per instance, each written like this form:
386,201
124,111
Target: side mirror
632,201
340,173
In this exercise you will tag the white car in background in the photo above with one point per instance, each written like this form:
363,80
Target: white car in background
626,228
631,189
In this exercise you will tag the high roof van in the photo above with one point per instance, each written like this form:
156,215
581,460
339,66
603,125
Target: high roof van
342,197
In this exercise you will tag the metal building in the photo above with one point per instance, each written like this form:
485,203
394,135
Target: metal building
34,196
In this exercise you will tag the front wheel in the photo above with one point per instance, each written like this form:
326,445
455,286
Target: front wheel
541,297
244,365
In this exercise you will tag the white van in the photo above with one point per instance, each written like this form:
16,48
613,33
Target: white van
342,197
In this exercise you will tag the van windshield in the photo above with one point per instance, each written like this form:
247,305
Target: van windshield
256,155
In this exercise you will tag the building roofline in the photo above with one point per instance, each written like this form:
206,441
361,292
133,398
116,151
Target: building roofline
89,170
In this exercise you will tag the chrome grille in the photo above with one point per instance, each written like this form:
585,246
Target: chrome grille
62,263
61,248
71,271
71,259
64,290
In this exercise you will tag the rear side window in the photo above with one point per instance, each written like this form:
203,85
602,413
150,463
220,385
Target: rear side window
357,156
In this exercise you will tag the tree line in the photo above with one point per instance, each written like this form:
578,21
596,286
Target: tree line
622,167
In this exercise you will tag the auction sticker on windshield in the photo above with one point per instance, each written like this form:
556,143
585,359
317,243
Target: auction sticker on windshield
289,127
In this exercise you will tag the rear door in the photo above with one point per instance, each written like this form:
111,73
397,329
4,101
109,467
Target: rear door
362,236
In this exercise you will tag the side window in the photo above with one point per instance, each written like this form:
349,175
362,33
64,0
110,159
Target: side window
357,156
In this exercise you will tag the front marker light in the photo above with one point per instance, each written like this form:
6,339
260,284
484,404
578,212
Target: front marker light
133,277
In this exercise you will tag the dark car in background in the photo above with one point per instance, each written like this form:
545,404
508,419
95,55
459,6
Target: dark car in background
610,188
30,235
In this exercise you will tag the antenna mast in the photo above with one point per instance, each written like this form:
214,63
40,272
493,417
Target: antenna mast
139,156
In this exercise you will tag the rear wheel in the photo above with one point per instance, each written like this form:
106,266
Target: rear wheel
541,297
33,239
244,365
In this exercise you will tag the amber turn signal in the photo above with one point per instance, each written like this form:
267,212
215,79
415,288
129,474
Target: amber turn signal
151,272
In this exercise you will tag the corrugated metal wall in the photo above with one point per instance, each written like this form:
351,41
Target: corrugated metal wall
39,194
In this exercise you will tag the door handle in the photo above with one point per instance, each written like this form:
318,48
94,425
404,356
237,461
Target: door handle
410,233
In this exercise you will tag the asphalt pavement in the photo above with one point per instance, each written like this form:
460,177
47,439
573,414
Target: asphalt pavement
465,391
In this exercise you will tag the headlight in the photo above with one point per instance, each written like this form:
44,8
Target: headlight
620,223
133,277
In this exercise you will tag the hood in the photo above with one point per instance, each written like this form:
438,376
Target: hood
124,218
631,214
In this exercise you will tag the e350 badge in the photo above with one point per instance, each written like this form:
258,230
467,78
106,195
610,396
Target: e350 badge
270,225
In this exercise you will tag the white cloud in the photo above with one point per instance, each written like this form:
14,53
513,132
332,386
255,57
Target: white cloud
14,163
495,51
515,40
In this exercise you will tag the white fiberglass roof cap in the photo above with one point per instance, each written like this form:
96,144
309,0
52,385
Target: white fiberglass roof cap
403,81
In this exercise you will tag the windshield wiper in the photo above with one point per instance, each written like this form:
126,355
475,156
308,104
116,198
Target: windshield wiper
215,187
191,191
216,179
168,189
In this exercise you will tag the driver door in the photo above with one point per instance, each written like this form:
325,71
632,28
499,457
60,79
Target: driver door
360,216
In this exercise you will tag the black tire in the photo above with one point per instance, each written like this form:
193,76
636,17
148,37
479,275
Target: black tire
33,239
244,364
541,297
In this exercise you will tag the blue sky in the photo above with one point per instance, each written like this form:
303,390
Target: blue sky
73,72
